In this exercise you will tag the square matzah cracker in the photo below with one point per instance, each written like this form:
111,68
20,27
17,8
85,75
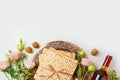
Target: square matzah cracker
59,67
66,53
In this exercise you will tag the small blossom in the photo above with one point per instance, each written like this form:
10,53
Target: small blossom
15,55
20,46
29,64
4,65
86,62
91,68
81,52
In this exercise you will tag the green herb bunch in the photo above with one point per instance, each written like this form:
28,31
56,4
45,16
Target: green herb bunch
112,74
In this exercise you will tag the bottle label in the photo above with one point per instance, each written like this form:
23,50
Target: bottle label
97,77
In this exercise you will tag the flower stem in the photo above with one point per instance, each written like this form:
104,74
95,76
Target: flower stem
83,70
85,75
6,75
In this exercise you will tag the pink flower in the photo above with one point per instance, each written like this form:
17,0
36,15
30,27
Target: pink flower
29,64
4,65
15,55
86,62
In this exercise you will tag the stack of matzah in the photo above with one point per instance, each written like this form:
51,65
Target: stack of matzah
56,65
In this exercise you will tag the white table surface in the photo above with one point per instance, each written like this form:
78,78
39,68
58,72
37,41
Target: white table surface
89,24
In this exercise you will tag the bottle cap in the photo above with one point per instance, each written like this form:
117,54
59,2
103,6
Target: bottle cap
107,61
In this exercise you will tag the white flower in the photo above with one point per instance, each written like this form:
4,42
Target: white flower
86,62
29,64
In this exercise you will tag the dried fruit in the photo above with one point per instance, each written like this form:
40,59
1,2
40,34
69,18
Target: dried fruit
28,49
35,44
94,52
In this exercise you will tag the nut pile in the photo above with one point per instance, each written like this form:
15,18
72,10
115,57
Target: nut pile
34,45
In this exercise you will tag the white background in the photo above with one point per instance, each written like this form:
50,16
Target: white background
90,24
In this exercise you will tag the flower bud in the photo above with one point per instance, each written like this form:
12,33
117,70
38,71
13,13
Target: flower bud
20,47
91,68
81,52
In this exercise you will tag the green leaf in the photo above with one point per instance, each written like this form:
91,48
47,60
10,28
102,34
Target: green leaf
22,55
79,72
11,71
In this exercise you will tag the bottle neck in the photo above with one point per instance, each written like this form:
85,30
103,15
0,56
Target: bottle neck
104,68
106,63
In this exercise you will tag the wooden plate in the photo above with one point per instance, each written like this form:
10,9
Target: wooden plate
59,45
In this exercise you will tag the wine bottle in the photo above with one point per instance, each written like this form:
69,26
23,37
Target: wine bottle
102,73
